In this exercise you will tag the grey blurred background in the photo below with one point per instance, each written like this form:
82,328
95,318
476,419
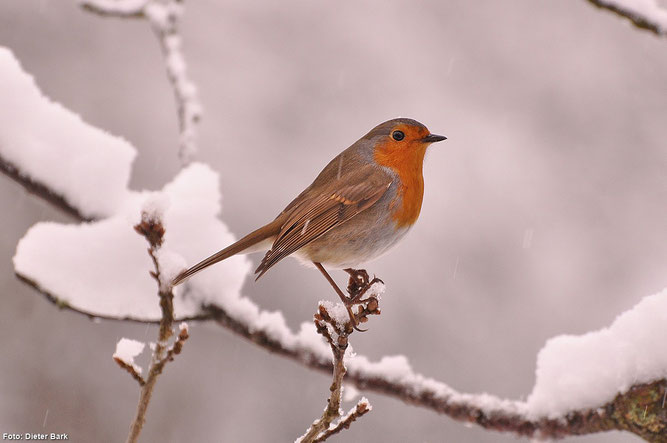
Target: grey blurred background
544,213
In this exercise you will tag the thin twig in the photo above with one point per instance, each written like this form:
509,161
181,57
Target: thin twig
154,231
358,411
131,369
336,329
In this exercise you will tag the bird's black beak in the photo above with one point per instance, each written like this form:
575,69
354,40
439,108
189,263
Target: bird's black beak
432,138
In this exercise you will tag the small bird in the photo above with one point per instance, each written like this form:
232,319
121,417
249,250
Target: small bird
361,204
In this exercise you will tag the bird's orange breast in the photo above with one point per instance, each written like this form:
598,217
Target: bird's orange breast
407,161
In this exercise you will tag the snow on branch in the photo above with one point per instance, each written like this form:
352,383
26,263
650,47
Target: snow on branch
126,350
99,268
645,14
164,18
635,404
54,154
116,8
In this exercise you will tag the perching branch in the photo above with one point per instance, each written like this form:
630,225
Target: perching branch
334,324
504,415
153,230
164,18
638,17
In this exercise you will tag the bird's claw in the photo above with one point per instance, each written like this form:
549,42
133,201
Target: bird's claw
359,283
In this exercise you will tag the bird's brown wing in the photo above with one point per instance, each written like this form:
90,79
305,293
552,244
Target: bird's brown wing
317,213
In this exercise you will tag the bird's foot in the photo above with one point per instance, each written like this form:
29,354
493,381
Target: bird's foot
358,285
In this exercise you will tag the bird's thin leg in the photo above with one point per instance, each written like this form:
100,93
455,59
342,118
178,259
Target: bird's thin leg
347,302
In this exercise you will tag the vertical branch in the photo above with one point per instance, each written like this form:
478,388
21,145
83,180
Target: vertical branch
165,20
334,324
152,229
164,17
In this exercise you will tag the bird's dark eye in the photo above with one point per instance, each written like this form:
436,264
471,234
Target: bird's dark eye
398,135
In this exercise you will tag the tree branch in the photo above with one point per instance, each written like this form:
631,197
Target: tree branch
62,303
153,230
636,17
115,8
358,411
131,370
40,190
335,325
164,18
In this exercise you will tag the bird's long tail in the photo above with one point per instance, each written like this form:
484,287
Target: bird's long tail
255,237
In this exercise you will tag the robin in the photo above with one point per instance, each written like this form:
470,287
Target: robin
361,204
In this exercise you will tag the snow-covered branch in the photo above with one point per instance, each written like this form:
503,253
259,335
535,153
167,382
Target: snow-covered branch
40,190
52,153
116,8
394,377
645,14
164,18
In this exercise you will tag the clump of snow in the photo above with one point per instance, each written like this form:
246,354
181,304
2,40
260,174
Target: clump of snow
102,267
376,290
87,166
337,312
587,371
126,350
183,326
154,207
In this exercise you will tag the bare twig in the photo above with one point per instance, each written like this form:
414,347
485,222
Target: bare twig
637,18
153,230
164,17
336,329
359,410
131,369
